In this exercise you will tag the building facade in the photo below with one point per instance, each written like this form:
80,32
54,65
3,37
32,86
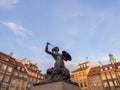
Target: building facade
34,74
110,74
18,74
80,75
101,77
94,79
19,78
7,67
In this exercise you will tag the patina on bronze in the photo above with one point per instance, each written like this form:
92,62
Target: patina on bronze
59,72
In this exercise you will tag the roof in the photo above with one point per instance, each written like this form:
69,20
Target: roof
12,60
83,63
108,65
80,69
94,71
29,67
20,65
118,63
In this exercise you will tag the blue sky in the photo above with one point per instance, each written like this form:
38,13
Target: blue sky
84,28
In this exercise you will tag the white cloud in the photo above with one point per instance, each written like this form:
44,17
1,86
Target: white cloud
8,3
17,29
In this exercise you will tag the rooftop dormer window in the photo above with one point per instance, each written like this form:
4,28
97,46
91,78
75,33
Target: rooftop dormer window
23,69
6,59
106,68
110,67
101,69
18,68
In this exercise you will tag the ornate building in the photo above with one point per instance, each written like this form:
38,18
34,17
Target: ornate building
110,74
94,79
102,77
7,67
19,78
80,75
34,74
18,74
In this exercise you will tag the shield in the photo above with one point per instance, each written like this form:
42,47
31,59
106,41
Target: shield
66,56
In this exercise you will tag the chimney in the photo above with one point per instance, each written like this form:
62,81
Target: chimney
112,59
100,64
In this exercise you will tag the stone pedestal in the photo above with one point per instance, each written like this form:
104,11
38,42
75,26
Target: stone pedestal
56,86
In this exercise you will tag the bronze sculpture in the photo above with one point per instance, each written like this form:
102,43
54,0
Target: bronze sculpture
59,72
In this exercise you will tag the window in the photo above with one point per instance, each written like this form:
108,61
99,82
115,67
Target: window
113,76
6,59
15,73
23,69
85,84
20,75
103,77
6,79
38,76
29,85
1,76
111,83
101,69
81,84
106,68
108,76
90,79
42,77
3,67
11,88
116,83
81,66
95,85
25,76
13,81
38,81
105,84
18,68
110,67
9,70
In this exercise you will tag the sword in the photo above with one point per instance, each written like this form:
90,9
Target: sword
51,45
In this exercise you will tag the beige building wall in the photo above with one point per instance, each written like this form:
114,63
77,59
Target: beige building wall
80,75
